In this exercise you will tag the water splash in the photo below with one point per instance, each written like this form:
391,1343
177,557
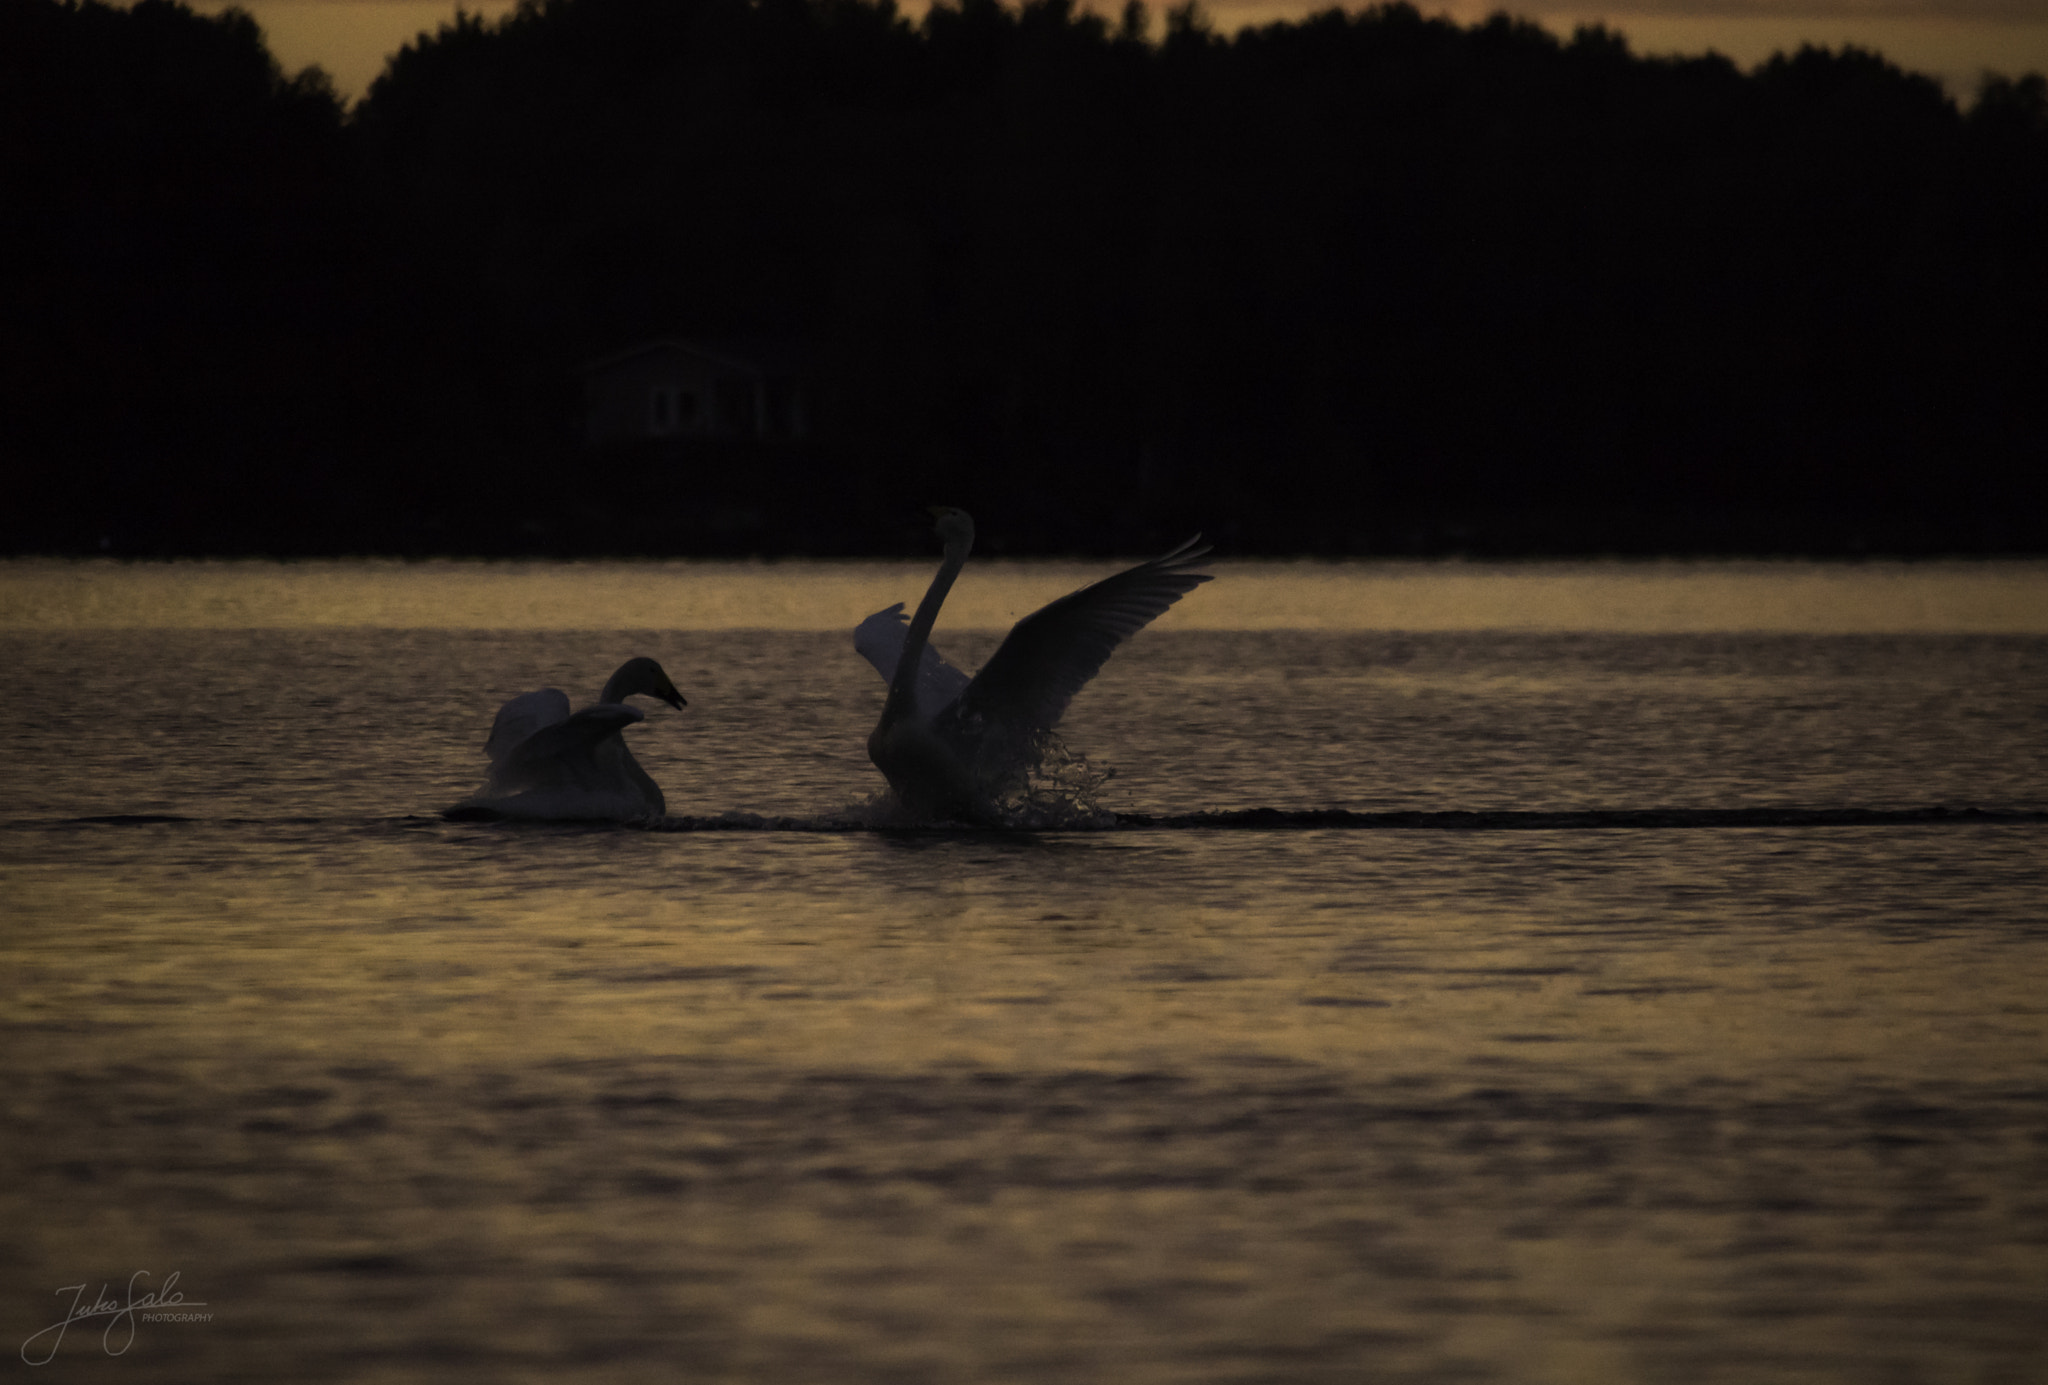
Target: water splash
1040,786
1058,788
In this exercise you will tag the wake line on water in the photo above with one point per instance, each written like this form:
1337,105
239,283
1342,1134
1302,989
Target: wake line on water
1322,819
1219,820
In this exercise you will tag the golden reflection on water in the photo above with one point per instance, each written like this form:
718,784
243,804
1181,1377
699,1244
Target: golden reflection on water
851,1109
895,982
2002,597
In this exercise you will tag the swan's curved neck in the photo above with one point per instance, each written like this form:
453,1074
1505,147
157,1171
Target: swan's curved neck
614,691
903,687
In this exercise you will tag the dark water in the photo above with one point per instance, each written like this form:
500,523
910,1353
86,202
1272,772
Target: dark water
1642,1021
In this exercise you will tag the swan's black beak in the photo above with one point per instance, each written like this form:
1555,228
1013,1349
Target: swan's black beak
674,699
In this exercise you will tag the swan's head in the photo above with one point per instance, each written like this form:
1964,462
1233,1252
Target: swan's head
642,676
955,527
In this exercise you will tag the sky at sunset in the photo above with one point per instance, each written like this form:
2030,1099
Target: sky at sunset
1954,40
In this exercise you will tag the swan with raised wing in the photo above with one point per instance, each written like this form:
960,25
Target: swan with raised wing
553,765
952,746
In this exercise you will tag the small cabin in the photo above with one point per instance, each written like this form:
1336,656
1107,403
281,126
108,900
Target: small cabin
677,389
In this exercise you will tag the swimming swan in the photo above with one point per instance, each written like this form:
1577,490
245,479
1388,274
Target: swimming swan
950,745
551,765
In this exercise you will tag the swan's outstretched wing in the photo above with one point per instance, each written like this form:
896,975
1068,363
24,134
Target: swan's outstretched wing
521,717
879,639
1051,654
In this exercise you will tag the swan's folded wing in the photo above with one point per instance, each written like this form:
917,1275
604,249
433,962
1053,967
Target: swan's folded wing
521,717
576,768
569,743
879,639
1052,653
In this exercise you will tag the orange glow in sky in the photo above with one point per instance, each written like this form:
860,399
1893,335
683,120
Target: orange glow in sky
1954,40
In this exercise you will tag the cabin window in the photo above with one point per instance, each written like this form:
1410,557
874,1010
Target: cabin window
670,409
736,407
784,405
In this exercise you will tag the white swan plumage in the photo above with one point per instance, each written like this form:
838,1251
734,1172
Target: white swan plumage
952,746
550,764
879,639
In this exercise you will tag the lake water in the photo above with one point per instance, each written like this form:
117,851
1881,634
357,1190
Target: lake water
1657,1009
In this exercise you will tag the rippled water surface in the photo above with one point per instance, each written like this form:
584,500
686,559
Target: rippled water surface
767,1096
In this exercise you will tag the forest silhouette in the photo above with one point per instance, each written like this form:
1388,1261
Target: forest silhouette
1365,283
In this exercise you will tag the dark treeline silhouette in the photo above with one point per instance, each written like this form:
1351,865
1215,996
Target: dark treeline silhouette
1363,283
